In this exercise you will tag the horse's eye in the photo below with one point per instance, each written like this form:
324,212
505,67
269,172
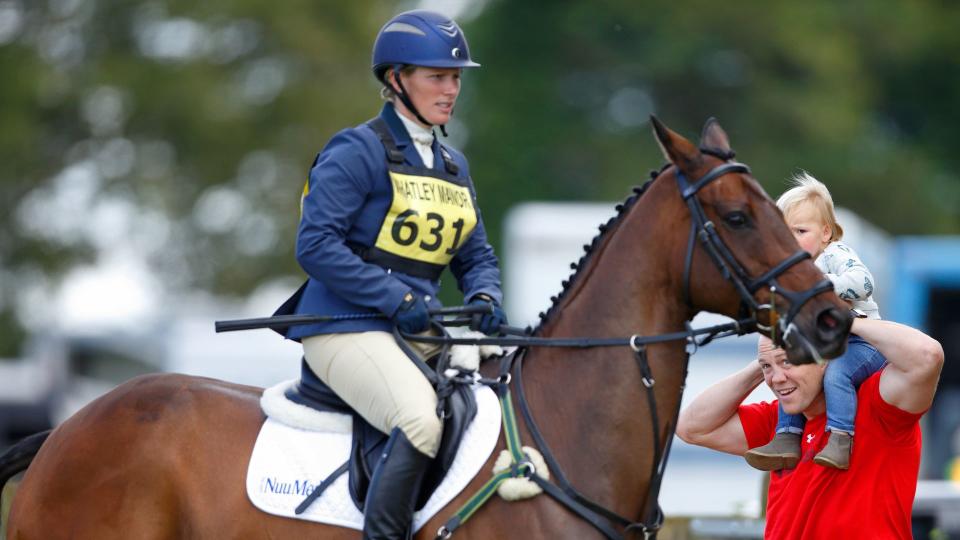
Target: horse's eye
737,220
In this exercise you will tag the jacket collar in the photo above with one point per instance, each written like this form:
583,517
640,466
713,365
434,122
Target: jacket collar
400,135
403,141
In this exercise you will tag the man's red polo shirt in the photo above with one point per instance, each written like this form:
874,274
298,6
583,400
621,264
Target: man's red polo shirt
872,500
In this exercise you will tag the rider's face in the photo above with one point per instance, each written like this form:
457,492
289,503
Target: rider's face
798,387
433,92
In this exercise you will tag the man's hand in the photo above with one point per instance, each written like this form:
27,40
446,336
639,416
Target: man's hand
711,419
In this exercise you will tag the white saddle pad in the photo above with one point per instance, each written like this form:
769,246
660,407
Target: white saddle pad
288,462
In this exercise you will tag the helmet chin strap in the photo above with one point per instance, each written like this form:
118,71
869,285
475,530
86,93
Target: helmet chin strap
409,104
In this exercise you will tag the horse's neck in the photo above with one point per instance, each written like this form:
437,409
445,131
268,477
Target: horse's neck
631,281
590,403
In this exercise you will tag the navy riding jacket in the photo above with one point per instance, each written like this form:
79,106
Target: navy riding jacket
347,199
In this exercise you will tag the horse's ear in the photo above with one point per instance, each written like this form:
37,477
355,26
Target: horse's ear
676,149
714,137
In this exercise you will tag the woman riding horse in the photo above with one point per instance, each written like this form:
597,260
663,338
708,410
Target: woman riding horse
386,209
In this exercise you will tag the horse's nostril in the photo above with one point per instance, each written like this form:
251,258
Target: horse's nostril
827,321
831,323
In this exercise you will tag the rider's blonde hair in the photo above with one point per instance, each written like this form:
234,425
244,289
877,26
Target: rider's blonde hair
808,190
387,93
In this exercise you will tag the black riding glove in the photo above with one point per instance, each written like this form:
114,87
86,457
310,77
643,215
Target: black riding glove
412,316
490,322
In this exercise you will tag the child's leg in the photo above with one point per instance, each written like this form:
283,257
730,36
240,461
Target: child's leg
843,378
790,423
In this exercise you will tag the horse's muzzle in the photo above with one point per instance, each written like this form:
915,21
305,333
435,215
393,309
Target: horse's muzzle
833,326
828,339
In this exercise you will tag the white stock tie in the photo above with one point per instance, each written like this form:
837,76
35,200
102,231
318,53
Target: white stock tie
422,140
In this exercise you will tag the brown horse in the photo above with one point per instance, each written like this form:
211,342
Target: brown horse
165,456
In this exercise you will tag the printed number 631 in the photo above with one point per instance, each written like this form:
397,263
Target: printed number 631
406,231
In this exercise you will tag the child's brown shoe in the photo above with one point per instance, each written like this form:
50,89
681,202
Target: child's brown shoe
836,453
783,452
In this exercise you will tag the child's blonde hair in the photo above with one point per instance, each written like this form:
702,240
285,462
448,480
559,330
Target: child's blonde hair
807,189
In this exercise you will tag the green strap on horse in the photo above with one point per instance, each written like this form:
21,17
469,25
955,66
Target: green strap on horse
520,466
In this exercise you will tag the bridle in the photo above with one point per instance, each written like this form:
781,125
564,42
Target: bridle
703,229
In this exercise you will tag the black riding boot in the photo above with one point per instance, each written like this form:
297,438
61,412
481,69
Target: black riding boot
388,509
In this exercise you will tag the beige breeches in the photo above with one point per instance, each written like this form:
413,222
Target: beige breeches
370,372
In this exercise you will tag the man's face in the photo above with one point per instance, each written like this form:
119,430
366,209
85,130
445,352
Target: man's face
796,386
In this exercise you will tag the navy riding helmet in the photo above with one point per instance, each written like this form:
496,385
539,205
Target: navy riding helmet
419,38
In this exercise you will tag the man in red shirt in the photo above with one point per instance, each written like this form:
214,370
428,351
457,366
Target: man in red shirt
871,500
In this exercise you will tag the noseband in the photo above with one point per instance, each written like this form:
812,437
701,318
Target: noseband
703,229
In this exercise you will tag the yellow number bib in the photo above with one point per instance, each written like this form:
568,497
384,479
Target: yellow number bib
429,219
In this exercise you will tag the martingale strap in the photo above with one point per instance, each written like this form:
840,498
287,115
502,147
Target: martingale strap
521,466
600,517
548,456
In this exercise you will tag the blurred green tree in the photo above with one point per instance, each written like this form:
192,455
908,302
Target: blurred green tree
860,94
182,130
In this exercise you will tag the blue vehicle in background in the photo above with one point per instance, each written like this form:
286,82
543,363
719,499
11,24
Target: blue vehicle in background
927,296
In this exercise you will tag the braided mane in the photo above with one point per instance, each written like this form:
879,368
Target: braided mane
589,249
